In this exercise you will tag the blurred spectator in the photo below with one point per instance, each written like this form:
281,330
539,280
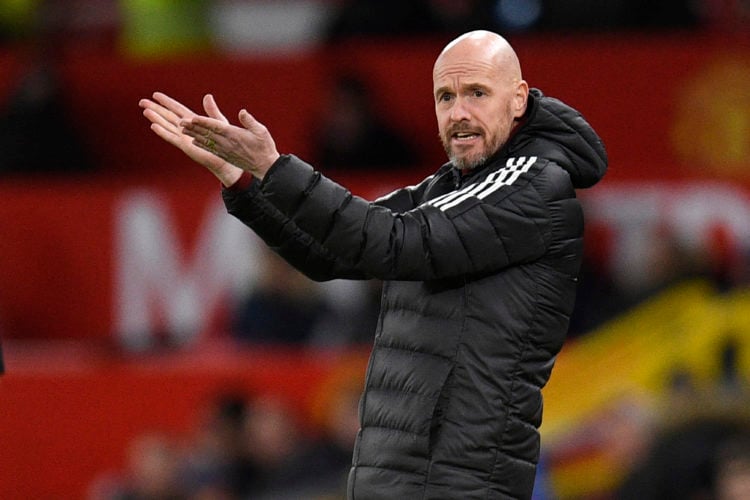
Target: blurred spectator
276,450
215,465
732,469
335,412
391,18
37,131
691,457
351,134
452,17
598,298
354,321
368,18
283,306
372,18
152,473
726,15
681,462
608,288
594,15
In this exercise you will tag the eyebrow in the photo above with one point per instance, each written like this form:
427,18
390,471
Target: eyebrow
467,85
441,90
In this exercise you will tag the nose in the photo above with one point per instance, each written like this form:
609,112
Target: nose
459,110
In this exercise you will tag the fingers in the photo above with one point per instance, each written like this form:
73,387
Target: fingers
203,136
165,111
172,105
157,115
203,124
166,134
212,109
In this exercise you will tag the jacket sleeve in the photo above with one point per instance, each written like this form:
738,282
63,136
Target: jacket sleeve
326,232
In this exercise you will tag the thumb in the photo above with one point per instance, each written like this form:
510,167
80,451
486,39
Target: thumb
248,121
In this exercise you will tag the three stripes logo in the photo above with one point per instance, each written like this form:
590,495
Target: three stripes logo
505,176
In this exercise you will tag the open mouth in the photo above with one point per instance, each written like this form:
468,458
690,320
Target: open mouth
464,136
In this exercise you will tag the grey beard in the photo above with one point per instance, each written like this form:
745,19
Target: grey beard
462,164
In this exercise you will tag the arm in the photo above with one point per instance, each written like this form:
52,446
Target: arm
482,234
313,220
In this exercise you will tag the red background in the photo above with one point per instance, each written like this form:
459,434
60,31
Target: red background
67,412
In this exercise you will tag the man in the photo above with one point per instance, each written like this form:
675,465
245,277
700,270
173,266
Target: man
479,262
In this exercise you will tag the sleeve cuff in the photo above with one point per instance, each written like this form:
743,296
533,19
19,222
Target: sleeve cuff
242,184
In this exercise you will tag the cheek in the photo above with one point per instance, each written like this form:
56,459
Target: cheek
442,121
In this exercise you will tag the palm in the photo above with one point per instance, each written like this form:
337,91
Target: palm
165,115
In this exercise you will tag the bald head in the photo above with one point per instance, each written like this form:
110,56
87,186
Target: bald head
479,96
486,47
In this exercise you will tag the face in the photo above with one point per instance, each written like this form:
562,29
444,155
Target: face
477,98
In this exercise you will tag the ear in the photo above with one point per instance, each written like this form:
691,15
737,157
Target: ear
520,99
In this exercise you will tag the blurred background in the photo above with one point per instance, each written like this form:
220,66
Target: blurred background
155,350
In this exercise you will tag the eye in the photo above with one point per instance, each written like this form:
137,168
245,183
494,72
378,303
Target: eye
478,93
445,97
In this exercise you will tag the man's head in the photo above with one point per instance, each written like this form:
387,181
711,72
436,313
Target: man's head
479,94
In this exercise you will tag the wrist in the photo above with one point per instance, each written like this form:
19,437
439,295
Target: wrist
230,177
261,170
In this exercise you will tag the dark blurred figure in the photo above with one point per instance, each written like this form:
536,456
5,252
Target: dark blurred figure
393,18
335,412
354,322
374,18
37,133
452,17
352,135
732,469
276,451
215,466
2,365
703,450
607,290
595,15
283,307
378,18
681,463
726,16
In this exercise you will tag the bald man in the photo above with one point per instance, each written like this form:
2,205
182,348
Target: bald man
479,263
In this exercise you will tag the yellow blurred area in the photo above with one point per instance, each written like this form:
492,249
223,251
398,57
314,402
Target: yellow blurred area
17,16
163,28
629,365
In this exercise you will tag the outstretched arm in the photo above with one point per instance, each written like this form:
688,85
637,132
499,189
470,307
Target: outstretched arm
165,115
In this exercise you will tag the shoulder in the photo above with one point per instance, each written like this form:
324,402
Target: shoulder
496,181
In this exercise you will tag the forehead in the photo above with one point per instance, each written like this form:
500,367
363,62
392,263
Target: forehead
446,68
459,72
467,59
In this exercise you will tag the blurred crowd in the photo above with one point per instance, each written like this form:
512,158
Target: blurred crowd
34,111
248,447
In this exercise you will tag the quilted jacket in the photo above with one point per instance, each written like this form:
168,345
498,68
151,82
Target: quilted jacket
479,275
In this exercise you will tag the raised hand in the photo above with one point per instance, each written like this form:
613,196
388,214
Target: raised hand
250,148
165,115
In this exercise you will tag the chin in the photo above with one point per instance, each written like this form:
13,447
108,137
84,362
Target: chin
467,162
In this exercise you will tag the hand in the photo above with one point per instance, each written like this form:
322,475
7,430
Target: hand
165,115
250,148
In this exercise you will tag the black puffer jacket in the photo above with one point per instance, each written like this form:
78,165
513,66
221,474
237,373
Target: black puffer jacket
480,275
